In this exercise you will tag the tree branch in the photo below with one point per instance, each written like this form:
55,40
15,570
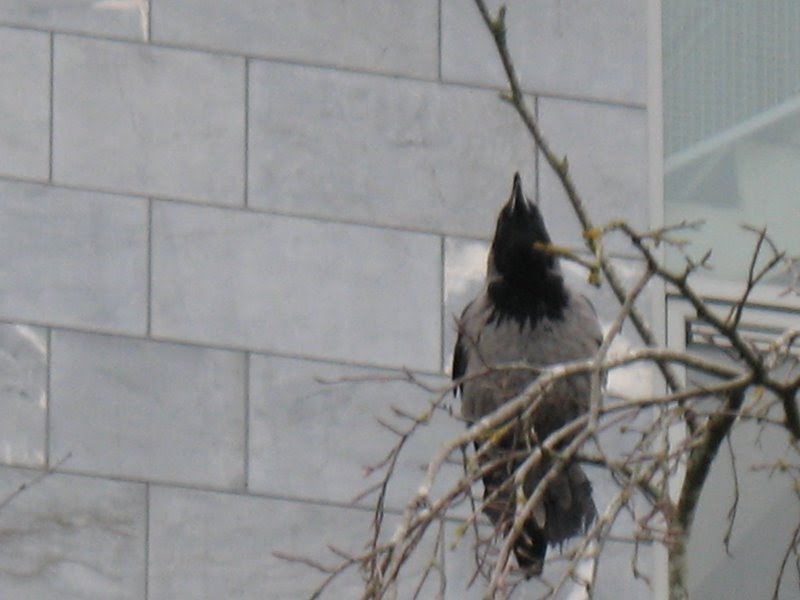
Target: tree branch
560,167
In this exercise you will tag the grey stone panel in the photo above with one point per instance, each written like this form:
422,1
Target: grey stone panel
314,431
264,282
210,545
151,121
147,410
124,19
606,149
378,150
72,538
578,48
390,37
24,103
23,394
73,258
464,275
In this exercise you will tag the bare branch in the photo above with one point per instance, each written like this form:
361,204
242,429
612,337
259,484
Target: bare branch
592,235
735,504
791,548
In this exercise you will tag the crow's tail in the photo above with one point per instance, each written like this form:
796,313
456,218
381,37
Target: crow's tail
569,507
566,511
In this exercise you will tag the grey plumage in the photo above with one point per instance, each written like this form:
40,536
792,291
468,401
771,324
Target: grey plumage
526,313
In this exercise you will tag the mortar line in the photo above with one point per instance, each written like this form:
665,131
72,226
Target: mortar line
166,45
52,106
439,42
246,183
247,359
149,25
210,345
149,274
48,394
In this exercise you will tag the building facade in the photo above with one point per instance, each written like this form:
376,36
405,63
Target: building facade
210,211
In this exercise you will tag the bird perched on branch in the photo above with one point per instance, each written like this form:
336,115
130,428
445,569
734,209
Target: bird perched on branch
526,314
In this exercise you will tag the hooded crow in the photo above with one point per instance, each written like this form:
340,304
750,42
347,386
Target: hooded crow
527,314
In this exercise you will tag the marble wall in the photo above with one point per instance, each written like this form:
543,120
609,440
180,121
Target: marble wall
208,208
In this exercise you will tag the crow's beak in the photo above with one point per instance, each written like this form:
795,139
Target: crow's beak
517,200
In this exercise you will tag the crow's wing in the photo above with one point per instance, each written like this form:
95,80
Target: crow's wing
460,355
597,332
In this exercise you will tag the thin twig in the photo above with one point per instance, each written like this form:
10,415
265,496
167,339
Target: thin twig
560,167
790,548
732,511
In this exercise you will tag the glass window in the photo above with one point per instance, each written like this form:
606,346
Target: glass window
743,498
732,124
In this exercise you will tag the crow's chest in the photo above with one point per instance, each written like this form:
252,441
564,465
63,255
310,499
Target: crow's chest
497,353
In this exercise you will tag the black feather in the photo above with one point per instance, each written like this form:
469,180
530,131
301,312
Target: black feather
529,285
524,307
460,358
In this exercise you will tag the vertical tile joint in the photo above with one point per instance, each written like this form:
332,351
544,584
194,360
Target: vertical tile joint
149,274
439,40
147,22
48,396
246,184
52,105
246,444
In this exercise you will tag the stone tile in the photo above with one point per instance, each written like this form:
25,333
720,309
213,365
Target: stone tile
158,411
24,103
381,151
560,47
314,430
464,275
606,148
151,121
72,538
127,19
275,283
23,394
207,545
389,37
73,258
210,545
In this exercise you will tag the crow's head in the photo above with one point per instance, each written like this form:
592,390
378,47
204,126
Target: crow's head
524,279
516,254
